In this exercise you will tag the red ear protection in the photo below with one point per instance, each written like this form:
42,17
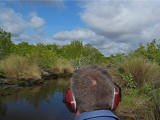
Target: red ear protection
69,100
116,98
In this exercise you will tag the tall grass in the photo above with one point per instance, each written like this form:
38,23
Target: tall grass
18,67
151,109
62,66
143,71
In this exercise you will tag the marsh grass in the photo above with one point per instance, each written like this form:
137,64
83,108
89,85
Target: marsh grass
143,71
18,67
151,109
62,66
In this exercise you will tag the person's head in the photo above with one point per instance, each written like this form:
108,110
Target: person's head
93,88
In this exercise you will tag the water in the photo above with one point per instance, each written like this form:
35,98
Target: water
36,103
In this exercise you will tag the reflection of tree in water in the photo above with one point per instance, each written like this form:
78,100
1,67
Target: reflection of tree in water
35,95
3,108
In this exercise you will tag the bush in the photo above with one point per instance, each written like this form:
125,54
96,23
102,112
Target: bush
128,81
143,71
17,67
151,109
62,66
42,56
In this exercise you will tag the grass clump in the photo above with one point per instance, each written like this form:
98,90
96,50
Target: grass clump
62,66
143,71
18,67
151,109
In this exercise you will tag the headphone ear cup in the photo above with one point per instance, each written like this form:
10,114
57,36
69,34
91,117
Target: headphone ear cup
69,100
116,98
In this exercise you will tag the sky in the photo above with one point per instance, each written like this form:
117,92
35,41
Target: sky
112,26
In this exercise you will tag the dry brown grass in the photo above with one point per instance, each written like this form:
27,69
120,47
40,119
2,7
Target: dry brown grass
150,110
142,70
18,67
62,66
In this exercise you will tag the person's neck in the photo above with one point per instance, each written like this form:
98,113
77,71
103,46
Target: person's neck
78,113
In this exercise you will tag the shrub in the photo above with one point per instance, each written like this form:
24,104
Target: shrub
18,67
62,66
151,109
143,71
128,81
42,56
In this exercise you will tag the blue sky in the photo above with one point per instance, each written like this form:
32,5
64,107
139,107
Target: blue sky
111,26
58,17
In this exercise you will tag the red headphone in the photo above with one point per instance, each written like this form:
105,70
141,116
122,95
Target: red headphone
70,101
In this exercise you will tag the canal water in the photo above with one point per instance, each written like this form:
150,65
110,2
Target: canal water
37,103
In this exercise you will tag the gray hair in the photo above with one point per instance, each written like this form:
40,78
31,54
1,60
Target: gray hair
93,88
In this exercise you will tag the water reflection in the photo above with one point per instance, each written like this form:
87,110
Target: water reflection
3,109
36,103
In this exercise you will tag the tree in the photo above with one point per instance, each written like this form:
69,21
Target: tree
5,43
22,49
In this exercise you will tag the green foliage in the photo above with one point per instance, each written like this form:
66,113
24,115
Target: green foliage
42,56
151,110
5,43
151,51
80,54
46,55
55,48
128,81
147,89
22,49
73,50
143,71
117,58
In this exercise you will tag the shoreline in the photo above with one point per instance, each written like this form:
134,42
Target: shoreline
10,86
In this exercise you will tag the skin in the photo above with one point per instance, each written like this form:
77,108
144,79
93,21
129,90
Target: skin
78,113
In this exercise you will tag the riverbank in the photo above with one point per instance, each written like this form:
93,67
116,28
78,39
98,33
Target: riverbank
18,72
10,88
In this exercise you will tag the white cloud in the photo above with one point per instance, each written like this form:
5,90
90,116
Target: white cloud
11,21
117,26
113,47
16,23
20,25
127,23
31,38
36,21
88,36
84,35
114,18
77,34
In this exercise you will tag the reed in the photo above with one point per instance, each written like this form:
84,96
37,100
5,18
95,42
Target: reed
18,67
62,66
143,71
